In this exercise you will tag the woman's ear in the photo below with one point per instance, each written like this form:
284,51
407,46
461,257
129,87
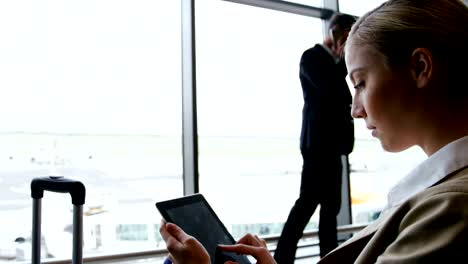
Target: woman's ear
422,66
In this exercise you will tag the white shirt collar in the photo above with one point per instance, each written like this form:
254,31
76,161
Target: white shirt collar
446,160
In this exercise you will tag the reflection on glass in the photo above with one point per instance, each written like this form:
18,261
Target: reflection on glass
91,91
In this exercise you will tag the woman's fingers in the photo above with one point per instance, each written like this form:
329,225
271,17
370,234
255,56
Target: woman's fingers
252,240
261,240
182,247
166,235
261,254
177,232
251,245
171,231
241,249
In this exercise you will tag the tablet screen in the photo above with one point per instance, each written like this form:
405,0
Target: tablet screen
195,216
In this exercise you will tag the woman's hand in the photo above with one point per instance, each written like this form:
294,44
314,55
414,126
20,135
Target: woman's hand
250,245
182,247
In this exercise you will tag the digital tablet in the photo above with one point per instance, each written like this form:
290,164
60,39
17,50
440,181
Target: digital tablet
195,216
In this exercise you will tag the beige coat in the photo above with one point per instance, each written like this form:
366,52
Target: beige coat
430,227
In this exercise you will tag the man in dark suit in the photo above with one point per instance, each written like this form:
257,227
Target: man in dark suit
327,134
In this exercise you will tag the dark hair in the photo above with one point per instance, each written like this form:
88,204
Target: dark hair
344,21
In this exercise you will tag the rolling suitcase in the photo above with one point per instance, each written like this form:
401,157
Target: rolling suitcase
62,185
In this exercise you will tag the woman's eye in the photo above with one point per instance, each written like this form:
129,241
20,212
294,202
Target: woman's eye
359,85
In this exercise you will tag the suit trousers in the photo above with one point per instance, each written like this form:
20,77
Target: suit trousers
320,185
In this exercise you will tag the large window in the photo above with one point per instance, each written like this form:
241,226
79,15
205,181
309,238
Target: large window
250,108
91,90
249,113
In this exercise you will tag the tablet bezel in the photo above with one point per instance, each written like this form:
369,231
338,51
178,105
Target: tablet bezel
164,206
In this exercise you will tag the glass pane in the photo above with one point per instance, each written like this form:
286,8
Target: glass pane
91,91
250,109
358,8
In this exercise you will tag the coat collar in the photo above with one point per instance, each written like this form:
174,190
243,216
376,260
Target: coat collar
445,161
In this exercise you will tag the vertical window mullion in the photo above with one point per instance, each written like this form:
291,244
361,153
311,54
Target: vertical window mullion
189,106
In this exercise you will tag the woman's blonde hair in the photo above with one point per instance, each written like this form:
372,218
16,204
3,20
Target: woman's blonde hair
397,27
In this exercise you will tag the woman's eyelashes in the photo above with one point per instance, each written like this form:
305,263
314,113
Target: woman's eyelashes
359,85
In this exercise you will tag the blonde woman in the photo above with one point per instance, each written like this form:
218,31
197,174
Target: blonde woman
407,62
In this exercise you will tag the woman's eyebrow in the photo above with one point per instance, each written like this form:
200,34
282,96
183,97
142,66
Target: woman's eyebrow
350,74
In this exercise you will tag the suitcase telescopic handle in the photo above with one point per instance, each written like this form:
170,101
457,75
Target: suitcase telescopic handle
58,184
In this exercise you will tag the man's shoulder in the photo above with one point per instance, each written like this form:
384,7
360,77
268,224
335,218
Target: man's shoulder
316,52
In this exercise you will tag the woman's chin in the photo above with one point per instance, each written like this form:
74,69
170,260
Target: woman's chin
393,146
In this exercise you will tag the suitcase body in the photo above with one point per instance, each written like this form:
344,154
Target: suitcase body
77,192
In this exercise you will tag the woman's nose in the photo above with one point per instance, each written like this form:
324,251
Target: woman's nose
357,110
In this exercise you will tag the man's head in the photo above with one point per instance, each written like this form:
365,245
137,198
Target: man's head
338,29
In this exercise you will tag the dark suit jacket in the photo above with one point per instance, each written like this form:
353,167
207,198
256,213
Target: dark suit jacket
327,124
